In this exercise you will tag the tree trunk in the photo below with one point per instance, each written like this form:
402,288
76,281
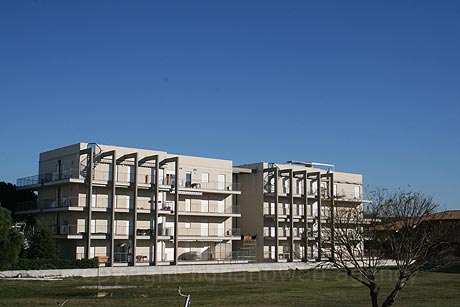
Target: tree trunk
392,297
374,293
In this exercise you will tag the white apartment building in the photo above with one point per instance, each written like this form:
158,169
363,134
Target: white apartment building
289,208
132,206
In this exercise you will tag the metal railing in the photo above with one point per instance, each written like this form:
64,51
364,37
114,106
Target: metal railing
210,208
145,231
48,177
195,184
165,231
68,229
121,257
210,231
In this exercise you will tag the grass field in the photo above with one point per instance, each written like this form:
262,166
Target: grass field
281,288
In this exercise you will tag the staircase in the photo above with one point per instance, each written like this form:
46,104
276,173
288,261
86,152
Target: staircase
84,167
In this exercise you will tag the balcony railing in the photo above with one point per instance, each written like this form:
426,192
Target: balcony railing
48,177
165,231
64,202
194,184
210,231
210,208
68,229
145,231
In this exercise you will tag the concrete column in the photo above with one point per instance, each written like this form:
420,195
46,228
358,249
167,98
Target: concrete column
112,211
331,191
305,213
176,211
90,154
276,215
291,216
156,193
318,197
136,172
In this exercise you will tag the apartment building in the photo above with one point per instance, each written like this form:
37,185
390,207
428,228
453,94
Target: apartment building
132,206
289,208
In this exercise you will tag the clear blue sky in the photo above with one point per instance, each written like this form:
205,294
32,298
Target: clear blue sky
372,86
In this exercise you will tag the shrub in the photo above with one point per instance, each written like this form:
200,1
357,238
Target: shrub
52,264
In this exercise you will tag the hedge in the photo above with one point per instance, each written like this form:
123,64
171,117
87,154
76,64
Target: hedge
52,264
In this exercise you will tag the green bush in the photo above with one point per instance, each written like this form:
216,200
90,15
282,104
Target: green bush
52,264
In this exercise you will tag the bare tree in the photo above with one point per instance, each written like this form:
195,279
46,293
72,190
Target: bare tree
393,227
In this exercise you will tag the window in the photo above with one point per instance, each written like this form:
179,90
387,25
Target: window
187,224
299,186
205,205
313,186
221,182
188,179
285,185
357,192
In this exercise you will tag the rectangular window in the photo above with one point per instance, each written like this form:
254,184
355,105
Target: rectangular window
299,186
188,205
313,186
221,182
205,177
357,192
285,185
187,224
205,228
188,179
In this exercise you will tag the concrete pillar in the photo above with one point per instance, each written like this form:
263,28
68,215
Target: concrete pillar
136,172
276,215
156,193
176,211
332,224
291,216
90,155
112,211
318,197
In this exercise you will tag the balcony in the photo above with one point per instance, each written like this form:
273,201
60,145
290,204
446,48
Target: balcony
165,232
67,203
198,232
209,210
46,178
145,233
68,231
199,186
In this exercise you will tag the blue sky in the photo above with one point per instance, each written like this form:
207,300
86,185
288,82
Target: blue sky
371,86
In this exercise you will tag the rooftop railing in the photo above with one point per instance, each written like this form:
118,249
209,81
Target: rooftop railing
48,177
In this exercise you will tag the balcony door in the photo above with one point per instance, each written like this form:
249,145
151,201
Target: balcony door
205,228
221,182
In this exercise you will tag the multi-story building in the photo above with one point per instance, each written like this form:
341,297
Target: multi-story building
289,208
134,206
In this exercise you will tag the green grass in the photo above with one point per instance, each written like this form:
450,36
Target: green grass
282,288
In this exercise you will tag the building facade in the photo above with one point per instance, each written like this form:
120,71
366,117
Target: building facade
132,206
290,208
